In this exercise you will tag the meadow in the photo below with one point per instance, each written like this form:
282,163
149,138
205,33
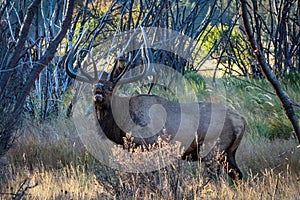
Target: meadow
49,159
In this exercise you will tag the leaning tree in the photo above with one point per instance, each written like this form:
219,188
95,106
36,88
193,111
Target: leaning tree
286,41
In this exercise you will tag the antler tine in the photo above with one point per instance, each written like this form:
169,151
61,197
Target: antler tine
148,68
149,54
112,73
70,61
95,68
71,72
132,79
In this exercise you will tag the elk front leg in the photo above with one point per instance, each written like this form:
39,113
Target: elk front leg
212,165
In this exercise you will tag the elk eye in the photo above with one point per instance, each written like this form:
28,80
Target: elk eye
109,88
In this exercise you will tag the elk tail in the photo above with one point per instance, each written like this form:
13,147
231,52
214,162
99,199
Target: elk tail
239,133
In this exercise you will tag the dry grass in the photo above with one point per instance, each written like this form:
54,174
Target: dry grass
62,169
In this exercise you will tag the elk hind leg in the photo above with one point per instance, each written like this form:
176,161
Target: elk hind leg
231,167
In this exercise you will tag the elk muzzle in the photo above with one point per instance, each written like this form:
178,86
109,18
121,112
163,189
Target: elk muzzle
99,93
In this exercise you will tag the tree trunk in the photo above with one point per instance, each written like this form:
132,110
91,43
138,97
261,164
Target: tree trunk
285,100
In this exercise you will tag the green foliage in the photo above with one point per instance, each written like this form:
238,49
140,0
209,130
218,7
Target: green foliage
209,38
226,45
275,127
263,110
254,99
197,82
219,34
280,127
291,81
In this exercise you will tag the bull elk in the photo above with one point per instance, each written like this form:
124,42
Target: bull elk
139,109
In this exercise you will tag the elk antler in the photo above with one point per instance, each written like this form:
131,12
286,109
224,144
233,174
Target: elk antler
147,68
85,77
144,53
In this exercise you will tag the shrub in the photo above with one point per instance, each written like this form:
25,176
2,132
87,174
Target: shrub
280,127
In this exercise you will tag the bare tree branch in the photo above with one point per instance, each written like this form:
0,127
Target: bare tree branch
32,9
49,54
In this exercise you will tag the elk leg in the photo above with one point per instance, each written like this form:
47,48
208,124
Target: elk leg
232,169
212,166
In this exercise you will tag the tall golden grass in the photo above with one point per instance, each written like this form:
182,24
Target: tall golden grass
58,167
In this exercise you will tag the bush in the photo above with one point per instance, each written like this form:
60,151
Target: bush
280,127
